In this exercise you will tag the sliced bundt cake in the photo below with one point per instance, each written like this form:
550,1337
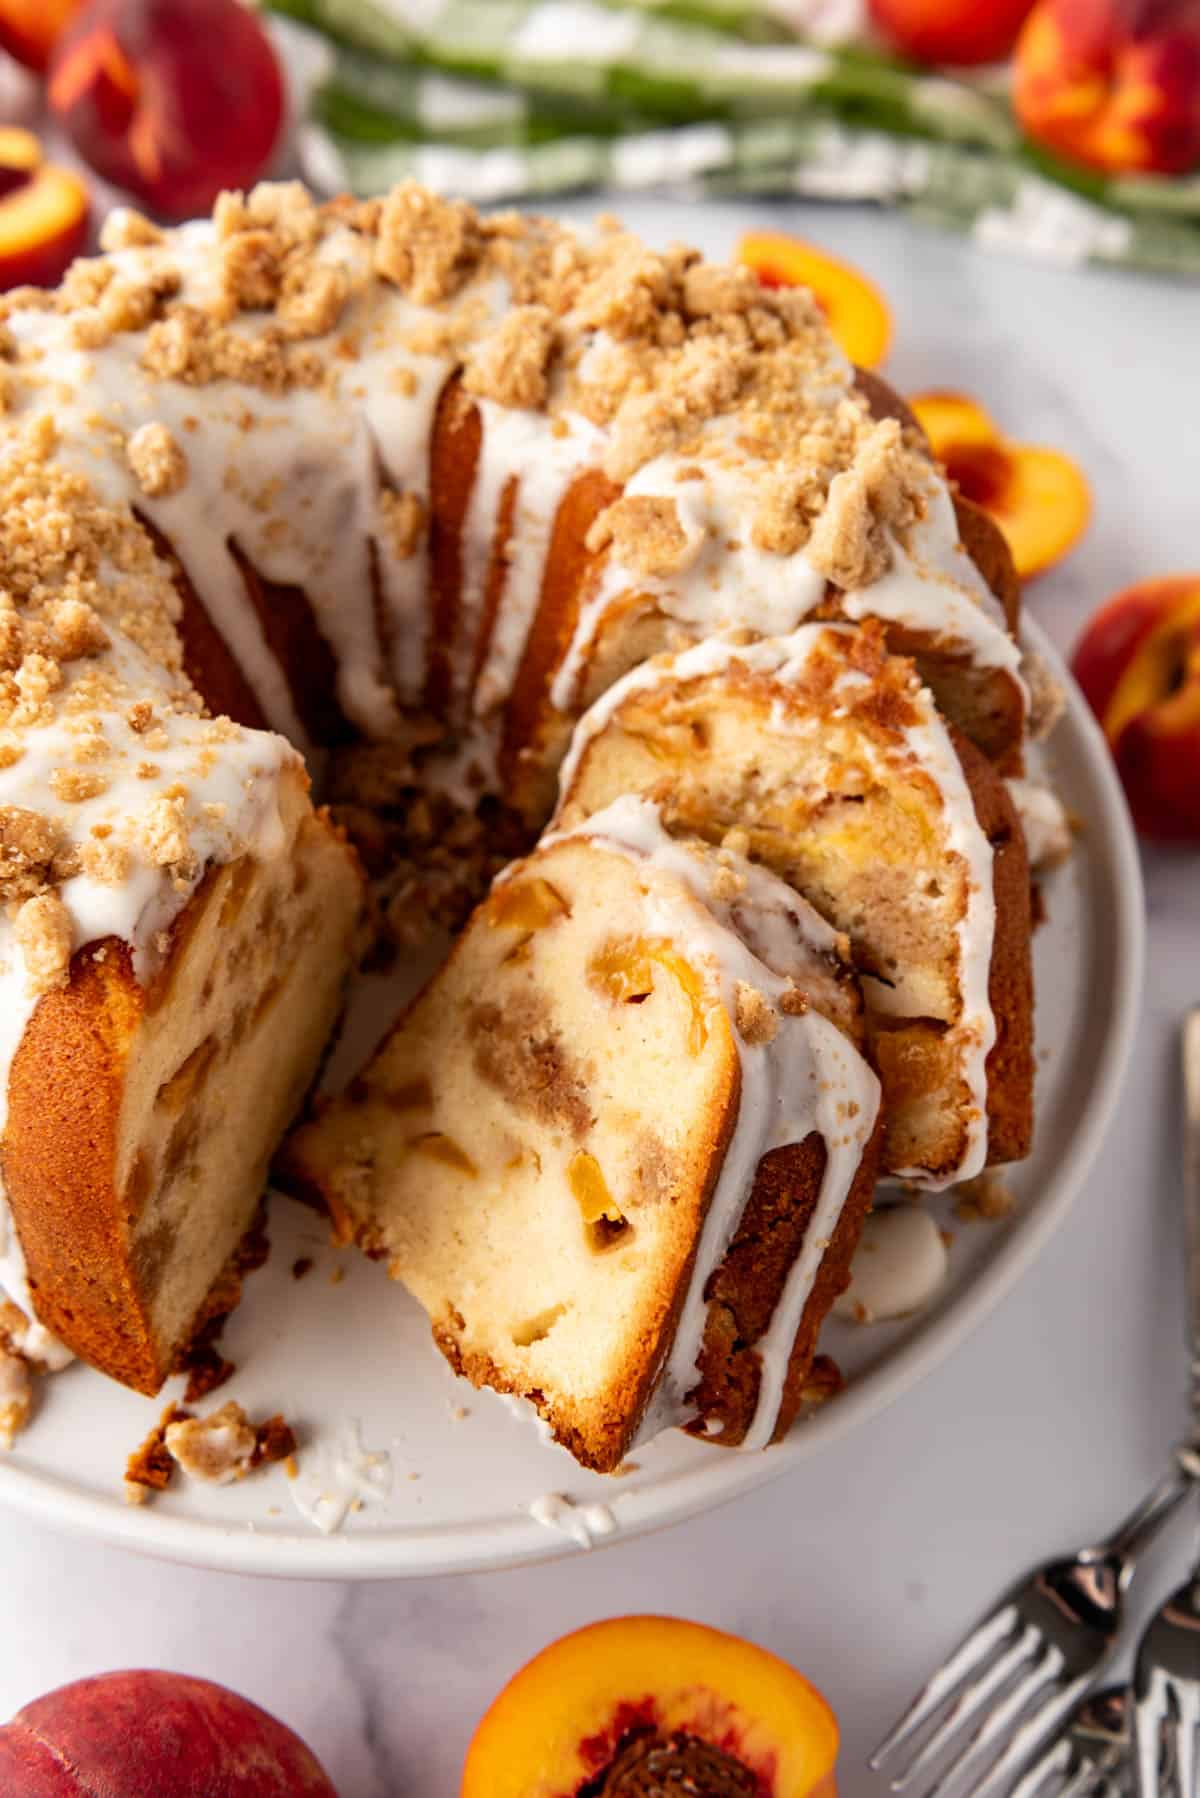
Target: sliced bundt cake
175,934
412,487
621,1146
832,760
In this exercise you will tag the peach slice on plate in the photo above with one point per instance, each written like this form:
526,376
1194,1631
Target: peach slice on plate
43,213
1138,662
857,312
1038,497
636,1703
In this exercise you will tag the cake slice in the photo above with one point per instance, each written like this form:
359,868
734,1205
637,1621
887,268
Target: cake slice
621,1146
151,1081
832,758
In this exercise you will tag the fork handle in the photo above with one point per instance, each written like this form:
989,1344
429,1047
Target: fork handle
1191,1197
1134,1536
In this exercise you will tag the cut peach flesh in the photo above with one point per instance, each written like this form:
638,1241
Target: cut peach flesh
1037,496
43,223
856,311
559,1722
624,972
19,149
948,417
1165,663
525,904
590,1189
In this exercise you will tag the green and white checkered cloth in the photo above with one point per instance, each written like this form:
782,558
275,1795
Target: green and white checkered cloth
498,100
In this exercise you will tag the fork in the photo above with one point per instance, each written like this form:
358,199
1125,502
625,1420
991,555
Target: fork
1166,1684
1043,1644
1092,1757
1167,1670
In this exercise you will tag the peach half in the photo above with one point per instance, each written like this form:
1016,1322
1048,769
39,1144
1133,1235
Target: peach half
1038,497
856,311
1138,662
634,1703
43,213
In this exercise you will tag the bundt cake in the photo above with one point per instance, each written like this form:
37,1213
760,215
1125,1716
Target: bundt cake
622,1145
832,760
411,488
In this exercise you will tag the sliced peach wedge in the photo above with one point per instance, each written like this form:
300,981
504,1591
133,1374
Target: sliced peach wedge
642,1704
43,213
856,311
1038,497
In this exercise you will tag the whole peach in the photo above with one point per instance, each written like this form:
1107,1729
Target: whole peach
172,99
153,1735
1138,662
1113,84
962,32
29,29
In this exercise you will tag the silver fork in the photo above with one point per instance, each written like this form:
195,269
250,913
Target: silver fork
1167,1670
1093,1756
1166,1684
1014,1678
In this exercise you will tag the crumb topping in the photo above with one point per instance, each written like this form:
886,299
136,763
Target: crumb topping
645,533
509,364
16,1395
157,460
754,1015
884,488
218,1448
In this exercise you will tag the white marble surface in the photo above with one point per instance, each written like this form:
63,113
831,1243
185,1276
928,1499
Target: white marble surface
1050,1421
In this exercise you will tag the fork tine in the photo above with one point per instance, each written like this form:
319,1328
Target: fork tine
969,1704
1043,1720
1150,1713
1090,1781
1057,1759
995,1725
941,1685
1187,1700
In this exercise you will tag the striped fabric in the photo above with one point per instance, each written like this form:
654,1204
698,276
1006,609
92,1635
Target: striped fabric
498,100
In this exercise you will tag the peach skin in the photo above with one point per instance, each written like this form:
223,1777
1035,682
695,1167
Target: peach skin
961,32
633,1703
1112,84
171,99
1037,496
1138,662
143,1732
43,213
855,309
29,29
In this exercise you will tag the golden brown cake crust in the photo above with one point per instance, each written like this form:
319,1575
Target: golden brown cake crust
59,1160
747,1286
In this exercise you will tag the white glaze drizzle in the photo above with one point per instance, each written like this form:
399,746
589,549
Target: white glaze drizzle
296,480
931,586
1044,822
517,444
338,1476
929,745
583,1523
899,1266
807,1078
